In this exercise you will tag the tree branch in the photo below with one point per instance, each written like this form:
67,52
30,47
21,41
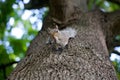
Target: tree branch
36,4
116,52
116,43
64,10
115,1
111,28
4,66
113,19
8,64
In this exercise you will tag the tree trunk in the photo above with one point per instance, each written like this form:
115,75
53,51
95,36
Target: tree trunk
85,58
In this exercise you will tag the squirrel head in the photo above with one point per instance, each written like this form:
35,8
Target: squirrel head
54,31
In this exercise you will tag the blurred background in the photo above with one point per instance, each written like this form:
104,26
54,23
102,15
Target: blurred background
20,21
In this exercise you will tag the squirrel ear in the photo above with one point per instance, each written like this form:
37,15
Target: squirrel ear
49,29
56,26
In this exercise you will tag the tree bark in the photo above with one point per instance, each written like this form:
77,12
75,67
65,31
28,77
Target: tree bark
85,58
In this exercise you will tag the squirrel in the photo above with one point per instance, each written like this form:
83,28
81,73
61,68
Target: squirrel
61,37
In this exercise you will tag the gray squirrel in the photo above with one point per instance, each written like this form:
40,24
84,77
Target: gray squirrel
61,37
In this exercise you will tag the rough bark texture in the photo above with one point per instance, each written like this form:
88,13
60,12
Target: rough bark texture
36,4
111,28
86,57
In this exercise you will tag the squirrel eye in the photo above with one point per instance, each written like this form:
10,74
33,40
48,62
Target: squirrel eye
56,30
59,39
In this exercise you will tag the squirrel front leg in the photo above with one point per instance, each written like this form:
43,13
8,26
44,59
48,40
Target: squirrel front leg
49,40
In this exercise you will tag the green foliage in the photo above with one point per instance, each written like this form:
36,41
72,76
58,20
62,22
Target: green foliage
13,48
3,54
5,14
116,64
103,5
118,37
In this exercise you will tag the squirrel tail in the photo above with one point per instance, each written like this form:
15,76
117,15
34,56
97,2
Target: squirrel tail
70,32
